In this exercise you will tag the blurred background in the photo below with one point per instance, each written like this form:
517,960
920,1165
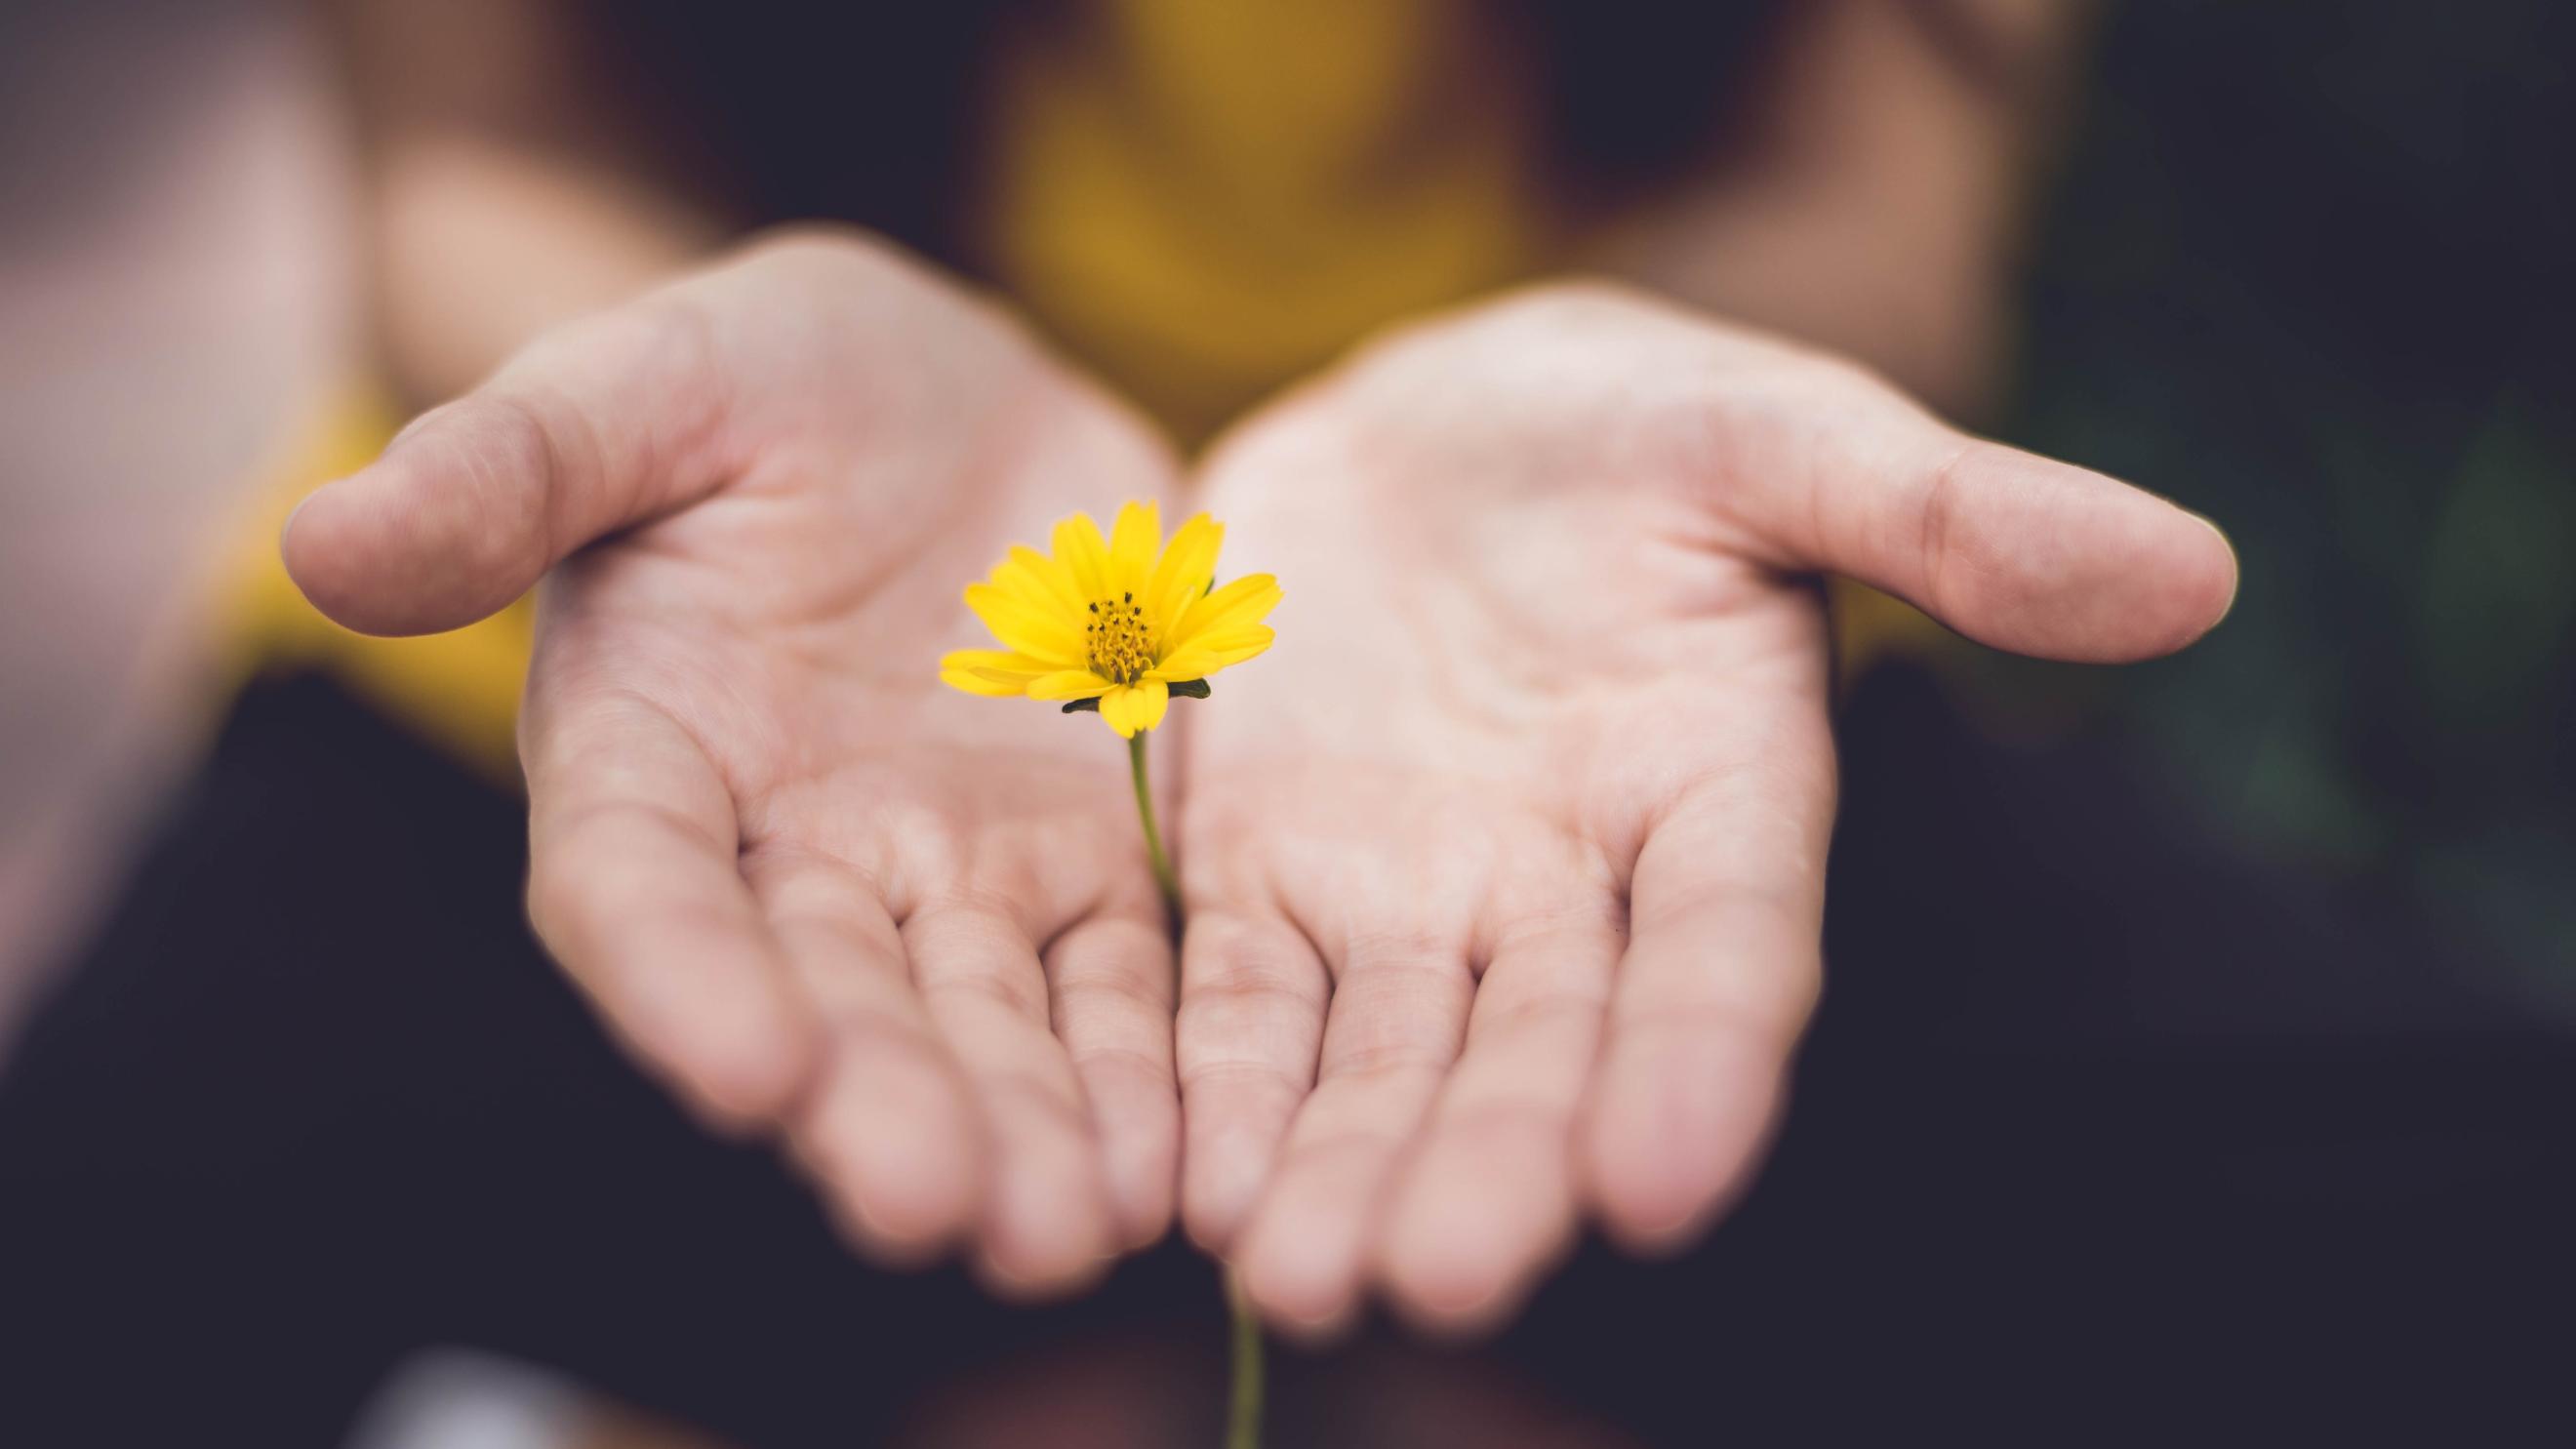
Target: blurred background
2201,1033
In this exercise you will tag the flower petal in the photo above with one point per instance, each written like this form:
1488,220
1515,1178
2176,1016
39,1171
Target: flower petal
1113,710
1182,574
992,672
1037,633
1037,581
1210,652
1132,545
1244,601
1069,684
959,679
1146,703
1085,557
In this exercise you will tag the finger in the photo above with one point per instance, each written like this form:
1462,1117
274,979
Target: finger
1253,995
1721,972
890,1132
1398,1013
1047,1227
633,886
2010,548
597,425
1488,1198
1111,979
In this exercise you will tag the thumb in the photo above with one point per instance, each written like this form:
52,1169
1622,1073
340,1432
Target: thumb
2009,548
596,426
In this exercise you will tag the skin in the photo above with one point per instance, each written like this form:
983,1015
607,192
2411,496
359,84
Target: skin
911,933
1506,866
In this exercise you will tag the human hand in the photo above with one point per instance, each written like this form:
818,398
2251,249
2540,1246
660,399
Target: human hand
1506,871
816,889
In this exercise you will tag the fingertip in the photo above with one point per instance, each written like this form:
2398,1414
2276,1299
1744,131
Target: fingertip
2206,579
887,1241
1304,1280
445,528
1440,1284
2154,583
1456,1259
1222,1174
322,557
1212,1233
1033,1258
1144,1182
744,1056
743,1089
286,547
1454,1310
907,1197
899,1154
1048,1229
1301,1306
1314,1334
2047,558
1015,1280
739,1065
1137,1121
1670,1140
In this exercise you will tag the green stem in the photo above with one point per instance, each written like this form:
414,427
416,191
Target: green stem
1243,1408
1163,876
1243,1414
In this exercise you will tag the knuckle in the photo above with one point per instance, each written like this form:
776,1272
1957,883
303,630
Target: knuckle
1127,994
1390,1052
1244,1081
1123,1069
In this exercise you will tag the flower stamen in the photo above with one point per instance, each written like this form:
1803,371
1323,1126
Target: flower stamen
1119,640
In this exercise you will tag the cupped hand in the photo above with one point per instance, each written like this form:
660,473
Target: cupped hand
1505,870
914,933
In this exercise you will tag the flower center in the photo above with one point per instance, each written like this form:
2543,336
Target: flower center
1120,639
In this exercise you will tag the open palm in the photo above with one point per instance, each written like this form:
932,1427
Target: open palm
913,931
1506,869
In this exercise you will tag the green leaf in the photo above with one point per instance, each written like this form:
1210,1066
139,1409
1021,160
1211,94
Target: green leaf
1083,706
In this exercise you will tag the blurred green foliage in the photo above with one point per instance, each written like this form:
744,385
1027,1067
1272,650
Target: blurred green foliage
2305,271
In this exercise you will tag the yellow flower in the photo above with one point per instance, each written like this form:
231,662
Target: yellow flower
1126,623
